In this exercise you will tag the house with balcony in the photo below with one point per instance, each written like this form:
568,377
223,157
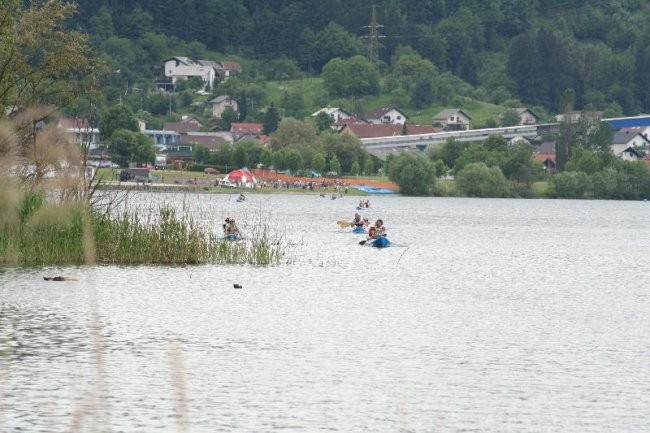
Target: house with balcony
183,68
453,119
629,145
384,115
80,132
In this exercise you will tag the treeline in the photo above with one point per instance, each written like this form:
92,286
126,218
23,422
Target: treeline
493,169
507,49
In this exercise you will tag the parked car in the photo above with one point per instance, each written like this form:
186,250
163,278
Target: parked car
210,170
223,183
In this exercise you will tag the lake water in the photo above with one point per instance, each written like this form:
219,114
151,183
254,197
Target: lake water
490,316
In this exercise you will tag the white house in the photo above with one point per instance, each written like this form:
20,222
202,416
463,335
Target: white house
627,153
335,113
626,144
526,117
183,68
643,130
575,116
220,103
453,119
80,131
386,115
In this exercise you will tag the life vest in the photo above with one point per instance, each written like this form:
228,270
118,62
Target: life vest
376,232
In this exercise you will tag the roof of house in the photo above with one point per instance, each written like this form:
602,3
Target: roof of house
447,113
208,139
182,127
74,123
371,130
546,147
521,110
380,112
624,137
231,66
212,63
220,99
247,128
330,111
350,120
184,60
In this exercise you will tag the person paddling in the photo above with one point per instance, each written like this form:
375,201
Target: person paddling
230,229
377,230
358,221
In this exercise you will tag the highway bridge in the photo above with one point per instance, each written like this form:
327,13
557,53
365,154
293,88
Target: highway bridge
382,146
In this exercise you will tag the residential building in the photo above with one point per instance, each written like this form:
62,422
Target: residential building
80,131
629,144
373,130
545,153
526,116
335,113
453,119
386,115
575,116
182,68
243,130
220,103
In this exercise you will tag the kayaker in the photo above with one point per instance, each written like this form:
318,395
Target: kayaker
242,197
230,228
377,230
358,221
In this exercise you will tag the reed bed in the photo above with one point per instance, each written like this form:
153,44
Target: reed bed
70,233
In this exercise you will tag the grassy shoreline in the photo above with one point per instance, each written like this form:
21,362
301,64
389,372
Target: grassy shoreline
41,233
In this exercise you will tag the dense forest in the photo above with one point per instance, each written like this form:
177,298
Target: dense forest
527,50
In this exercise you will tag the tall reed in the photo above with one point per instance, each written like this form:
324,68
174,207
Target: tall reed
54,234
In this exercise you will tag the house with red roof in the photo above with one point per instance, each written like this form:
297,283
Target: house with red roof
372,130
545,153
243,130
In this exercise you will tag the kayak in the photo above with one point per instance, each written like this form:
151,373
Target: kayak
362,208
232,237
380,242
359,229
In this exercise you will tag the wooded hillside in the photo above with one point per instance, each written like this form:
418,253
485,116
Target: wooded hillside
505,49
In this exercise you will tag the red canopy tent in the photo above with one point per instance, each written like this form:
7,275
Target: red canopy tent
241,176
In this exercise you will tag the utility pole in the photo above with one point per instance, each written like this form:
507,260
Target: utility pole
373,38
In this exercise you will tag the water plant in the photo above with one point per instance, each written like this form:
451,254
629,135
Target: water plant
73,233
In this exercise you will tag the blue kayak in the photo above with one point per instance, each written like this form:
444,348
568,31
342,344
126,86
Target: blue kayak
359,229
380,242
232,237
362,208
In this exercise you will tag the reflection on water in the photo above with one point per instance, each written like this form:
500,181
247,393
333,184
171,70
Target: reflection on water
494,315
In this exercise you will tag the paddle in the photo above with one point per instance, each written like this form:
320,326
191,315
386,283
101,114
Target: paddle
343,223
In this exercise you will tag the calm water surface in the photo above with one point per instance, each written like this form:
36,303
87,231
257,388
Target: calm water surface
492,316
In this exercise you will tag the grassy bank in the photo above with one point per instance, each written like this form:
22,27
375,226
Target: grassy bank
37,233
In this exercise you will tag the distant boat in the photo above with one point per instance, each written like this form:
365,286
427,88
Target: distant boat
375,190
380,242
